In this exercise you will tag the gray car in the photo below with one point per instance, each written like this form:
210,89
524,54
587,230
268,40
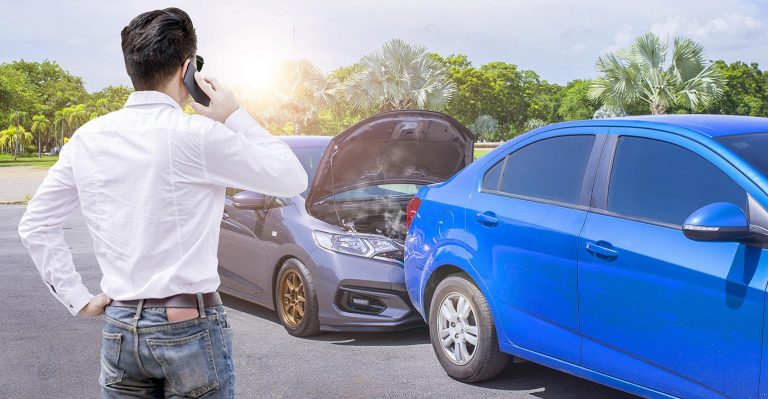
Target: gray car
331,258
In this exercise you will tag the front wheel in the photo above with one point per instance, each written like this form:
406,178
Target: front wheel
295,299
462,331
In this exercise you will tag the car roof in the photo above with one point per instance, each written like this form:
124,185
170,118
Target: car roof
306,141
708,125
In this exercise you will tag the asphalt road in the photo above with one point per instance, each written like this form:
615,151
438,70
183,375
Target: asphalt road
47,353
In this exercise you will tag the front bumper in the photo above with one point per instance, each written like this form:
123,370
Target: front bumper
361,294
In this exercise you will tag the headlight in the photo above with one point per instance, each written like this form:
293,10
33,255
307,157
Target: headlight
358,245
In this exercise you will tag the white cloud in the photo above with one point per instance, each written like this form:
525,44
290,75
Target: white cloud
721,28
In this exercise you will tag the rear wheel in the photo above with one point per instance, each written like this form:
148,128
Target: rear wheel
462,331
295,299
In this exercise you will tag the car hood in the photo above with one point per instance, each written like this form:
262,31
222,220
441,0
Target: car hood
419,147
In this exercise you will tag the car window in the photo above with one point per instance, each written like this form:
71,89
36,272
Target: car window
662,182
550,169
752,147
491,178
378,191
309,158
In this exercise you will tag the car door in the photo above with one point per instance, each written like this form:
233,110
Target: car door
656,308
242,252
526,218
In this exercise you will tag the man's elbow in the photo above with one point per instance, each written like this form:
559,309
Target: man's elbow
295,180
25,229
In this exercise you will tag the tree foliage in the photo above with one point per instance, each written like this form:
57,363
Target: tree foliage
640,73
399,76
746,90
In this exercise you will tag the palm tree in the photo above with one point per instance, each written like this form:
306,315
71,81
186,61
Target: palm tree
41,126
15,136
76,116
640,73
400,76
18,120
60,120
302,90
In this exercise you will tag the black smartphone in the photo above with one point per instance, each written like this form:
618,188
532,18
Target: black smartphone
194,90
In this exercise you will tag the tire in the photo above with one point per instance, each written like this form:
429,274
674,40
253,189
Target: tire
479,361
296,307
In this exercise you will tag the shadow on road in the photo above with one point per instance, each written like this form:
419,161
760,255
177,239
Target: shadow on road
546,383
519,376
415,336
250,308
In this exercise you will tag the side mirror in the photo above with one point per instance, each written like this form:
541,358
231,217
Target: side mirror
721,221
249,200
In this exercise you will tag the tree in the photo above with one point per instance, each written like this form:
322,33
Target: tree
76,116
575,103
746,90
301,90
338,114
485,127
501,90
608,111
40,126
15,137
60,120
399,76
54,87
640,74
16,92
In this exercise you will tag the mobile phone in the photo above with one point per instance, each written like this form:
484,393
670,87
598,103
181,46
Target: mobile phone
194,89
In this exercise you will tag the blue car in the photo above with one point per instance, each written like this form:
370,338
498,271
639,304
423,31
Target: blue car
630,252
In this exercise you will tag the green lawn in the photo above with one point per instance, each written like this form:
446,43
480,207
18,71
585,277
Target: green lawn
47,161
480,153
28,160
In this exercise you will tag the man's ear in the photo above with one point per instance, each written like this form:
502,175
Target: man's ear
184,68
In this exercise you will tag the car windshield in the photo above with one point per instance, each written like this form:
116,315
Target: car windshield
752,147
378,191
309,158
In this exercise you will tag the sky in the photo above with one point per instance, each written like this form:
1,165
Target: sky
243,41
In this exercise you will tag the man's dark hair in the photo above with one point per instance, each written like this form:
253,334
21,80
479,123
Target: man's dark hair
155,44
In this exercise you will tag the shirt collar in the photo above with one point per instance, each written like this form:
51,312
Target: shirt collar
149,97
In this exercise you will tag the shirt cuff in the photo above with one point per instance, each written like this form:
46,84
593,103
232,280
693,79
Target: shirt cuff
77,298
241,121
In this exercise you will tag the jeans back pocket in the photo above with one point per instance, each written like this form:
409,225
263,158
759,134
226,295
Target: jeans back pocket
188,363
110,355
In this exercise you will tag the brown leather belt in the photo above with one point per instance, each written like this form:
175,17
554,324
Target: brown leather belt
175,301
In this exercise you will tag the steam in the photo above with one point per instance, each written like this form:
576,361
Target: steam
384,217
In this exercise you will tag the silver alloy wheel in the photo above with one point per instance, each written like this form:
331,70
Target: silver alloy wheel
457,328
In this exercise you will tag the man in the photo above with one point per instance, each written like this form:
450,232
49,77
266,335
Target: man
150,181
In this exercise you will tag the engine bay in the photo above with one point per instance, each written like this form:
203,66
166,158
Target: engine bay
382,216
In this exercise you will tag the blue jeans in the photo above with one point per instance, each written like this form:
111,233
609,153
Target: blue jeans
150,357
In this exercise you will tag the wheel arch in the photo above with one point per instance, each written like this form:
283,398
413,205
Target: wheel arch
450,260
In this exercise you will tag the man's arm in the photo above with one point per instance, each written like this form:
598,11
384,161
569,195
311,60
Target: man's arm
41,232
242,154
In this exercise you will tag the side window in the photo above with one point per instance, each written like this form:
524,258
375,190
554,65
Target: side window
550,169
663,182
491,179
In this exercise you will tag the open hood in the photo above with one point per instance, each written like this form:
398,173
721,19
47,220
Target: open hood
419,147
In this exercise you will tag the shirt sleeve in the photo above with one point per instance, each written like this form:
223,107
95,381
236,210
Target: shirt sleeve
242,154
41,232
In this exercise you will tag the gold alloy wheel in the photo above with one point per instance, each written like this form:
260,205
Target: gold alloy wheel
292,298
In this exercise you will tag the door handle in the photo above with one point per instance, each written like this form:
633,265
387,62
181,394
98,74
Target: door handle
225,216
602,250
487,219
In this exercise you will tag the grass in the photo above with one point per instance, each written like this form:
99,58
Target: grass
28,160
47,160
480,153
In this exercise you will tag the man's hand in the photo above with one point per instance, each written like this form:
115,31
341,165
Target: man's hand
96,306
223,101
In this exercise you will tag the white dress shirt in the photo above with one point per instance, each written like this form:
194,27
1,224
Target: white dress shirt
150,182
